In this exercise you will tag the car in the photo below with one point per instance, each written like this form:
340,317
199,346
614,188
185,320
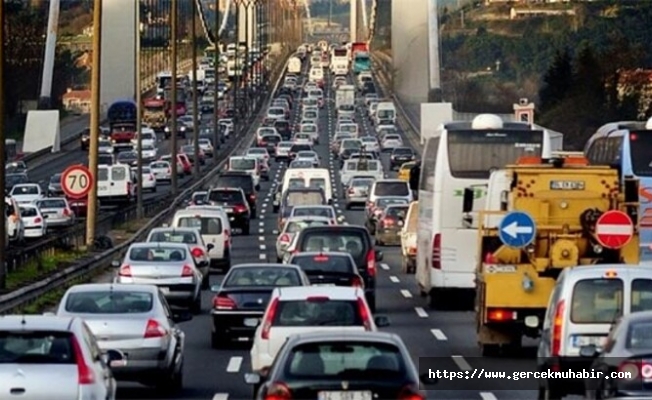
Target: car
127,158
12,180
357,190
312,129
198,198
244,181
270,142
341,365
325,211
404,170
240,300
370,144
27,193
57,210
297,147
374,211
206,147
310,155
54,186
399,156
55,357
162,171
234,202
302,139
389,224
135,321
297,310
283,151
299,196
16,167
36,225
215,229
170,266
291,227
351,239
148,178
328,268
105,146
193,238
390,142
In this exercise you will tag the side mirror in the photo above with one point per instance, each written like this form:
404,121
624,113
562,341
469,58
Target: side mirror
427,379
253,378
181,316
589,351
381,321
467,203
210,246
115,264
379,255
114,358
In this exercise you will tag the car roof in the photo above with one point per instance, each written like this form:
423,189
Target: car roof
313,206
321,253
36,323
335,336
173,229
115,287
306,217
593,271
162,244
332,292
264,265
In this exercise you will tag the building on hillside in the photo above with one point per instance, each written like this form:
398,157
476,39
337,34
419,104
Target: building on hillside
77,101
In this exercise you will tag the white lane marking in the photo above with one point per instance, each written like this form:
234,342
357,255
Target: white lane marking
406,293
461,363
261,223
221,396
263,247
261,230
261,238
438,334
234,365
274,232
384,266
421,312
394,279
488,396
262,256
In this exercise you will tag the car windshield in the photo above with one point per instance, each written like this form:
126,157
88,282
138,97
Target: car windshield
317,312
306,154
362,361
303,198
262,276
324,263
128,155
300,164
392,189
158,253
313,212
51,203
36,347
206,225
597,301
242,164
225,196
309,128
384,202
348,242
397,212
174,237
297,226
55,179
361,183
29,212
20,190
109,302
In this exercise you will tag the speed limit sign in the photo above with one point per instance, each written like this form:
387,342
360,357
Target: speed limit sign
76,181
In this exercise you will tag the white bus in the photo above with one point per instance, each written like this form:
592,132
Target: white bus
457,156
340,61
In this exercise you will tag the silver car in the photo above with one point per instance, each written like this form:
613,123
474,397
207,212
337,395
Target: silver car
293,226
49,357
283,150
170,266
161,170
57,210
136,321
357,191
193,238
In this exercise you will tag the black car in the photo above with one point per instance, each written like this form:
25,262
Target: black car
104,159
399,156
242,180
351,239
235,205
12,180
328,268
128,158
240,301
283,128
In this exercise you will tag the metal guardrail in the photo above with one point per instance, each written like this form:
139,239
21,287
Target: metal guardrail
87,267
148,84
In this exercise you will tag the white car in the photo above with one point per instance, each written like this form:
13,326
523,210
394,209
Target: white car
311,129
309,156
149,138
35,223
391,141
303,138
292,226
162,170
206,146
258,152
297,310
26,193
370,144
105,147
149,152
149,180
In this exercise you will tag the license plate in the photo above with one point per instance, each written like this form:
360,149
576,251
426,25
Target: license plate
102,188
598,341
251,322
345,395
164,290
324,284
118,363
228,210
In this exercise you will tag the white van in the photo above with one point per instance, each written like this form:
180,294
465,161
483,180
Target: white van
385,111
585,302
294,65
351,168
116,184
310,177
246,164
316,75
214,228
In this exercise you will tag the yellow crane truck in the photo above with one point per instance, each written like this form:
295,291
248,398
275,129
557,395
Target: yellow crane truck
541,216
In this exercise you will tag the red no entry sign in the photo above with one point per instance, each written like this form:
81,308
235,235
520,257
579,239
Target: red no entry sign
76,181
614,229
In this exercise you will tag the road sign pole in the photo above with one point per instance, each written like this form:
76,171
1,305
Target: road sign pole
139,122
92,204
195,103
3,233
173,93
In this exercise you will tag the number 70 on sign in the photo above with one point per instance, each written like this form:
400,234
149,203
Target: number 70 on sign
76,181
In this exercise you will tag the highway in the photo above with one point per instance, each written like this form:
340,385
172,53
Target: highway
448,337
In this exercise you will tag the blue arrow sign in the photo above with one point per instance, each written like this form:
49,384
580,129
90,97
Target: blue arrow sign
517,229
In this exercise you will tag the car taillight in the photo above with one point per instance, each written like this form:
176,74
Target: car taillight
169,170
38,220
436,251
356,281
223,302
85,375
351,190
410,392
371,263
151,177
388,221
227,238
364,314
187,271
285,238
557,325
67,212
125,270
240,208
633,369
278,391
269,319
154,330
197,252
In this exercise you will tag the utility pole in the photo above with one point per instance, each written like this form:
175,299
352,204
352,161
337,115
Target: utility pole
195,105
173,93
3,161
92,206
330,12
139,124
216,99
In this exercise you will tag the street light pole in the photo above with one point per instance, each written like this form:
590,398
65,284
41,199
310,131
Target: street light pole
195,103
216,64
3,232
92,206
139,123
173,94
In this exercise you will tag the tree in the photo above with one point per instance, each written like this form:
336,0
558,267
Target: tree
557,81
